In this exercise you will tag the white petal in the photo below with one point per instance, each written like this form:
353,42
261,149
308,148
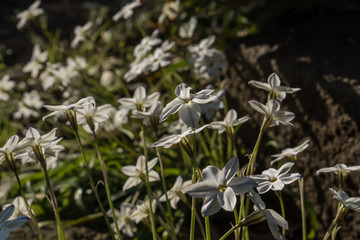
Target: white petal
129,171
230,116
261,85
171,108
202,189
210,206
230,169
210,173
274,80
190,114
261,108
131,182
227,199
241,185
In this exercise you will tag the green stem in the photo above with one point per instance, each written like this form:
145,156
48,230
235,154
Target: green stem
302,202
251,165
168,206
193,200
152,219
228,233
339,215
92,185
279,195
106,183
60,229
13,167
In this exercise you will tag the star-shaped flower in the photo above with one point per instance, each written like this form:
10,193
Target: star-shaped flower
37,61
187,104
140,101
81,32
137,173
275,179
29,14
124,220
339,168
176,192
127,10
5,85
273,87
220,187
272,113
142,210
290,152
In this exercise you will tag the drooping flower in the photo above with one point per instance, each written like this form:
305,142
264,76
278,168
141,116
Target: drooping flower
81,33
127,10
37,61
272,113
273,218
220,187
137,173
273,87
139,101
5,85
290,152
29,14
176,192
124,221
142,210
187,104
275,179
348,202
7,226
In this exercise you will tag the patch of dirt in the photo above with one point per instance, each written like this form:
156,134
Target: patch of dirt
317,51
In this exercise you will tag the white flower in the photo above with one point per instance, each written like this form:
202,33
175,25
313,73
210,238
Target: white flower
137,173
6,226
230,121
107,78
136,68
220,187
273,87
186,30
210,109
143,210
63,109
290,152
176,192
81,32
202,48
338,169
275,179
5,85
127,10
187,104
26,106
11,148
40,148
160,58
139,101
29,14
146,44
170,140
209,65
170,10
273,218
37,61
124,221
352,203
90,116
20,208
272,113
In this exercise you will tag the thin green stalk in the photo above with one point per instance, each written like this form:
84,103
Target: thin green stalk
60,229
198,219
106,183
92,185
279,195
152,219
14,169
193,200
228,233
302,202
339,215
168,206
237,233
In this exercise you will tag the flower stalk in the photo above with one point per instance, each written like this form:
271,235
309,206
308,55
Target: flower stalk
106,182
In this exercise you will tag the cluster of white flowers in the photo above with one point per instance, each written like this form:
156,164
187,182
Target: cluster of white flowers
207,61
145,62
